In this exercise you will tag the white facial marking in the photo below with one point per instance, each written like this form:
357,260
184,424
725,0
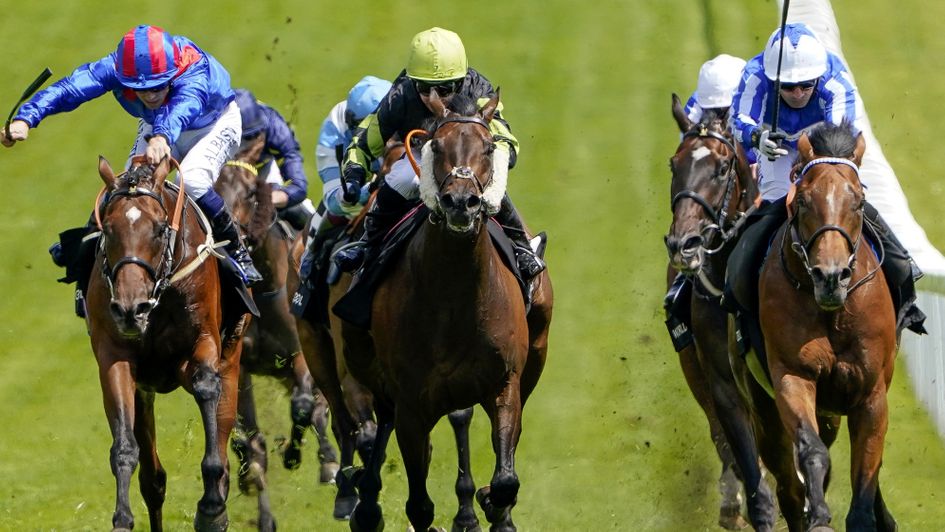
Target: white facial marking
133,214
700,152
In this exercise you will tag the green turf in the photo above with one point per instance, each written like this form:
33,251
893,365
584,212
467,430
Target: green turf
612,438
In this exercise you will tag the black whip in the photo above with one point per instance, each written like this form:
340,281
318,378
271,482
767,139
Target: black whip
36,84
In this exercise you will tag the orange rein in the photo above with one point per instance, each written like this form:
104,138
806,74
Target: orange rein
413,162
178,207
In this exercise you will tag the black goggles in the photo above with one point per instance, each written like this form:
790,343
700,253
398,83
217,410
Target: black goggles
159,88
803,85
350,120
442,89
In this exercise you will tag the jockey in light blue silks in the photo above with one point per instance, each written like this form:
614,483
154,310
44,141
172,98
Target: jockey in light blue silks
815,87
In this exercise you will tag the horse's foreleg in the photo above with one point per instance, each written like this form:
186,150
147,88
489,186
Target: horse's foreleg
250,447
465,518
118,391
367,515
413,438
796,398
867,436
207,387
152,479
498,498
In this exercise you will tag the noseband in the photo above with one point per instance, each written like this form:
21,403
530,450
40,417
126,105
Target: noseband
463,172
718,217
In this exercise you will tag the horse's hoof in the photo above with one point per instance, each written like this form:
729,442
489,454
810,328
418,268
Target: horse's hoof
344,507
328,472
357,525
732,522
267,523
206,523
291,457
460,528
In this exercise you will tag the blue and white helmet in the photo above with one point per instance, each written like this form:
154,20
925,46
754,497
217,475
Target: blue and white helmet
365,96
804,57
718,79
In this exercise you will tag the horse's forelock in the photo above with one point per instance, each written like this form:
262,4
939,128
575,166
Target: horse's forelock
832,140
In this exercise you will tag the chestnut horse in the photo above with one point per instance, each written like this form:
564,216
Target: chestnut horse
450,329
271,344
156,321
712,192
830,334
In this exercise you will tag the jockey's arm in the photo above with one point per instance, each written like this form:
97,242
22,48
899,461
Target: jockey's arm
366,146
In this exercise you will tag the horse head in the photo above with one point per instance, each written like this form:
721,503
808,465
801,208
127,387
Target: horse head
457,179
711,182
246,192
826,209
136,245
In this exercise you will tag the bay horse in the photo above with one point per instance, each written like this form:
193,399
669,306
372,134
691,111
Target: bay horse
450,329
712,193
157,321
271,345
830,334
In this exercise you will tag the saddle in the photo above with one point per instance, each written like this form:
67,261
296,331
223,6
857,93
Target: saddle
355,306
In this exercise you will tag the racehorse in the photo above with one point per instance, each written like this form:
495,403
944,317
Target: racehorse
158,320
450,329
271,344
830,334
712,192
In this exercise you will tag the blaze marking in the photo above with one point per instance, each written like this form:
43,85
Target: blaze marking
700,153
133,214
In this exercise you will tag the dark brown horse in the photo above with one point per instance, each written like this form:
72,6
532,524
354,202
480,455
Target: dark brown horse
830,335
156,322
271,345
451,330
712,191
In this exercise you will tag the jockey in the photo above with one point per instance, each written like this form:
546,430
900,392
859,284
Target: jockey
281,158
336,133
183,100
437,61
718,79
815,87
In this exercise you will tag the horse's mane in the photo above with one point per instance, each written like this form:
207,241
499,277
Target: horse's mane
833,140
263,214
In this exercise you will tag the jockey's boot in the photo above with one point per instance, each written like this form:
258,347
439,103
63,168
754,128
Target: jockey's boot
317,233
901,274
529,263
678,317
224,228
389,207
75,251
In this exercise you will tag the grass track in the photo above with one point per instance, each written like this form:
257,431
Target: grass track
612,439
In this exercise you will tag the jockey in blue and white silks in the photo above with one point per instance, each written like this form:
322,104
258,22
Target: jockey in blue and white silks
183,100
815,87
806,66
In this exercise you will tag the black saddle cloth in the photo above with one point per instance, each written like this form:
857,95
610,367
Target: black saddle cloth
355,306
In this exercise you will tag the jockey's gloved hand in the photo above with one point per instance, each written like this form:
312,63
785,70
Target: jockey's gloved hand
353,179
157,149
769,144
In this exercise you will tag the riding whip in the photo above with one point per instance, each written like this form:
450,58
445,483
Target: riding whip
40,79
777,78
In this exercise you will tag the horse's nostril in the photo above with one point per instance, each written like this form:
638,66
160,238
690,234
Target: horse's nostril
846,274
447,200
473,202
143,309
693,242
817,274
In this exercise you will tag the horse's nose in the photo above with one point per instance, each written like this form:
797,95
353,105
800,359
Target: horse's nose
135,314
686,246
462,201
831,278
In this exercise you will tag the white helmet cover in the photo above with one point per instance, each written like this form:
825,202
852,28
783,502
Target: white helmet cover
804,57
718,79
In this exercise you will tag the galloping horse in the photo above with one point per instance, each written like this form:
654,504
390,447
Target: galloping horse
830,335
712,191
451,329
156,320
271,344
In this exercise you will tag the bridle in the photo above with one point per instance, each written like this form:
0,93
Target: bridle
457,172
160,275
803,247
719,217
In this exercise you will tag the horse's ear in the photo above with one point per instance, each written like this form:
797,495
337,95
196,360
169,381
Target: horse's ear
489,109
804,149
251,153
436,105
105,170
859,150
160,172
681,119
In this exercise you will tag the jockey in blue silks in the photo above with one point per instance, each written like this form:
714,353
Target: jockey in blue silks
815,87
186,110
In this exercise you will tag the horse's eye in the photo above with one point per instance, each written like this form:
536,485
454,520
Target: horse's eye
723,170
435,146
490,148
159,229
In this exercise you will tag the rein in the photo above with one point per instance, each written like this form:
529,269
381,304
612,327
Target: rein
802,248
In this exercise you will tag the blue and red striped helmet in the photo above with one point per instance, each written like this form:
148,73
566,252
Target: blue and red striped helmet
146,58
